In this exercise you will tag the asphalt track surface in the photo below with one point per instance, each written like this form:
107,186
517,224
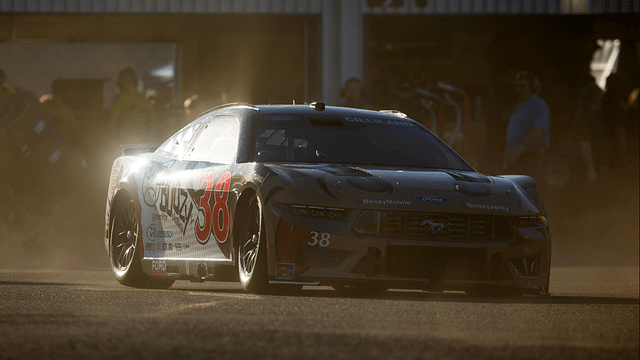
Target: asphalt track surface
59,300
80,314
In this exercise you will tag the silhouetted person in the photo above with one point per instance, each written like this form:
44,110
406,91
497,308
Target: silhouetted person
352,92
591,135
528,130
61,114
131,111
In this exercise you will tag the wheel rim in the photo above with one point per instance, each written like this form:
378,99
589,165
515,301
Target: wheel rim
251,240
125,236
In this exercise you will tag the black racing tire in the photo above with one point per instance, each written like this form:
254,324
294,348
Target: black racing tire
124,248
252,250
252,253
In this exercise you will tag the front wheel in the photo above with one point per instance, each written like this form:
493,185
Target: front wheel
124,248
252,252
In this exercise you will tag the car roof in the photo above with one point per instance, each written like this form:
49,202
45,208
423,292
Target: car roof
317,110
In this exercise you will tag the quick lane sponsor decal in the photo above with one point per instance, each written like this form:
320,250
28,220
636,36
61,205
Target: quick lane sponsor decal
285,271
487,207
386,202
431,199
379,121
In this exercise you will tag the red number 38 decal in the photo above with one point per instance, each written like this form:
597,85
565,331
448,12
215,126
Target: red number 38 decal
218,216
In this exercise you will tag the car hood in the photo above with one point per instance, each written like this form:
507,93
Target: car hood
383,188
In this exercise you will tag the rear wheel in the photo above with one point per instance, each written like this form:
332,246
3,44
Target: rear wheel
125,241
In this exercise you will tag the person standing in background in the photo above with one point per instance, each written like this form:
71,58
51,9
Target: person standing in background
592,138
61,113
353,94
527,137
131,112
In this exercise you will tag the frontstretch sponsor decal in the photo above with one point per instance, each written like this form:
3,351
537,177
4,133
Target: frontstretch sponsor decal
386,202
487,207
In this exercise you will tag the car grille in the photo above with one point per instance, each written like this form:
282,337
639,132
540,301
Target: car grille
442,226
436,264
308,256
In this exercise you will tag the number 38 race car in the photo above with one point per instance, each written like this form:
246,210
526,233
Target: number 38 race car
279,197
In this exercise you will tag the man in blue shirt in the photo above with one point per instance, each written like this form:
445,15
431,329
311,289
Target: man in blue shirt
528,130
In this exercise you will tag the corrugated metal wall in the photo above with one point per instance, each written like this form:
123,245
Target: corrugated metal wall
501,7
457,7
163,6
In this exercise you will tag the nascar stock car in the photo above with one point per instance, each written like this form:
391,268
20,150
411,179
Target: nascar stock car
291,195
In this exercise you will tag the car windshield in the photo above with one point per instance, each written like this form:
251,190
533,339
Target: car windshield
406,145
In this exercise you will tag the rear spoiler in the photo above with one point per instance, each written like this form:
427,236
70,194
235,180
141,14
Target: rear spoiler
137,149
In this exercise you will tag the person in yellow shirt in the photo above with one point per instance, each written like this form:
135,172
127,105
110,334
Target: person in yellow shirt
131,111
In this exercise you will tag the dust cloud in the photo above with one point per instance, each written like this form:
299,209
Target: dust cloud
64,230
591,224
596,224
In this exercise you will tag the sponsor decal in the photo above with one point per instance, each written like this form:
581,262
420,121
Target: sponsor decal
206,208
150,247
487,207
159,217
432,199
153,234
378,121
159,267
255,177
285,271
386,202
281,118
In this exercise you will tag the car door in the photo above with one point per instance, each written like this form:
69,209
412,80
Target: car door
208,165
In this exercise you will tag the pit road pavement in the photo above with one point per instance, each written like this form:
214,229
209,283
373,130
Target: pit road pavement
592,313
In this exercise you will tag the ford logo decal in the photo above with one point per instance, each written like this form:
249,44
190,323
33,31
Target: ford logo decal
432,199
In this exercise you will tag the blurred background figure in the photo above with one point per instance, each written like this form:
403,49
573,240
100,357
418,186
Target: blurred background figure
61,113
6,211
409,103
353,94
131,112
593,139
528,130
5,89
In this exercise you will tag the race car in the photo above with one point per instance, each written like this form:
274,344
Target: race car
283,196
